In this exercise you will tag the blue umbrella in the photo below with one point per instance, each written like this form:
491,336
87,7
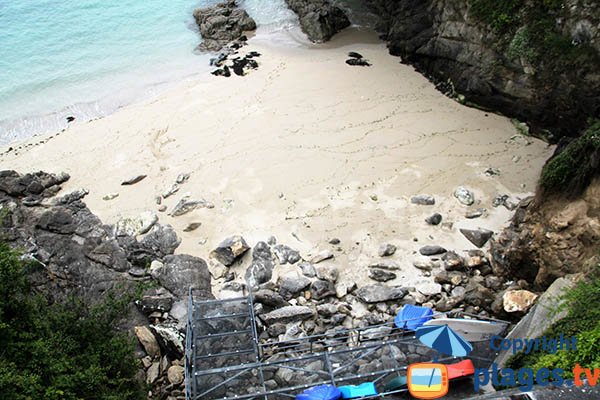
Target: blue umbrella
443,339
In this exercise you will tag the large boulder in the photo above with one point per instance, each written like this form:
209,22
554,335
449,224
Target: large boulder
180,272
319,19
288,314
222,24
229,250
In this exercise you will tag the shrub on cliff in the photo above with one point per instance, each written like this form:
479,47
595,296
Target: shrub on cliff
59,351
571,170
583,321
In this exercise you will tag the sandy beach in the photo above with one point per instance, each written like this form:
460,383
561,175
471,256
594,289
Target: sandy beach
306,148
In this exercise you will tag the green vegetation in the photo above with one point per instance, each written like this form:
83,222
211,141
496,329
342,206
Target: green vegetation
528,30
60,351
582,321
572,170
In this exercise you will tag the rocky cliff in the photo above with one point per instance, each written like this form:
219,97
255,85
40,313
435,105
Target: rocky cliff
535,60
73,253
319,19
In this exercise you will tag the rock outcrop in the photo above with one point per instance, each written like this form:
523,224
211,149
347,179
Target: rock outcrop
319,19
535,61
547,240
222,24
72,253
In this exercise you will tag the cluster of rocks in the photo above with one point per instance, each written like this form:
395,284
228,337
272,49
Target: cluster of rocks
76,254
319,19
239,65
314,300
357,60
222,24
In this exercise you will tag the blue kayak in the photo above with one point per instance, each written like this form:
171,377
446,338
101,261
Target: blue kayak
411,317
321,392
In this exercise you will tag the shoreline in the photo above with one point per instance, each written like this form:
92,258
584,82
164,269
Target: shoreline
306,148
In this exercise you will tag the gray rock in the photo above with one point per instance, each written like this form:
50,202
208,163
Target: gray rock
133,226
327,310
291,285
386,250
328,273
423,200
476,213
171,191
261,268
156,302
379,293
182,178
320,289
434,219
147,340
334,241
186,205
133,180
170,340
464,196
192,227
269,298
308,269
478,237
286,254
381,275
424,264
229,250
222,24
287,314
431,250
453,262
322,256
110,196
180,272
319,19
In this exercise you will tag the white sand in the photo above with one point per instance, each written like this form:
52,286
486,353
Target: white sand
324,135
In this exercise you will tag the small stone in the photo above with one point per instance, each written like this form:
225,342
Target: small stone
192,227
162,208
286,254
425,264
374,197
334,241
518,300
431,250
381,275
464,196
478,237
379,293
133,180
491,171
327,310
153,373
230,249
287,314
320,289
182,178
386,250
308,269
476,213
171,191
434,219
322,256
452,261
327,273
175,374
110,196
423,200
147,340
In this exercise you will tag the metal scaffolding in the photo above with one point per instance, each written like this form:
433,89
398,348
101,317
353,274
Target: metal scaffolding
225,359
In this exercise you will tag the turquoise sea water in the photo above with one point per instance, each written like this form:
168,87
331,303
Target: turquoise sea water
88,57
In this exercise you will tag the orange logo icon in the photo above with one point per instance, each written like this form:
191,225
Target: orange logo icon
427,380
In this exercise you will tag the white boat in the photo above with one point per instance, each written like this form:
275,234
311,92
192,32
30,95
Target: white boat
472,330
